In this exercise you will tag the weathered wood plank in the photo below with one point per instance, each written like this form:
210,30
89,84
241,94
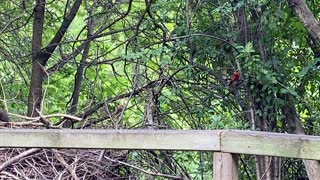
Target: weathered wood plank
247,142
225,166
272,144
112,139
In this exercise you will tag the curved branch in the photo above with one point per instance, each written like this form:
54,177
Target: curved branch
307,18
18,158
62,30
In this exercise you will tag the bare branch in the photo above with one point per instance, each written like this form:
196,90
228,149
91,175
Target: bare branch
142,170
18,158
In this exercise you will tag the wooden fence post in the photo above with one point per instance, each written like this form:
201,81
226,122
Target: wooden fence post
225,166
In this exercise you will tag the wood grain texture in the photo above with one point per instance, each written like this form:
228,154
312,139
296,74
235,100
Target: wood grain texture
272,144
225,166
246,142
112,139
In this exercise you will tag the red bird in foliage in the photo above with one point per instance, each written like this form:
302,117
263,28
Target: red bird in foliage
235,78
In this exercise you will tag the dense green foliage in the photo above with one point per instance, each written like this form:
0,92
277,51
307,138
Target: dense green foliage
173,60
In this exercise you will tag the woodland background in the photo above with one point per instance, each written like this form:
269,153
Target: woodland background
158,64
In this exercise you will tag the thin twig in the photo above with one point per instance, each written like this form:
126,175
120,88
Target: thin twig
46,116
4,96
265,172
65,164
142,170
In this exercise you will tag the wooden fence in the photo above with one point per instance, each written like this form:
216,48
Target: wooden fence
224,143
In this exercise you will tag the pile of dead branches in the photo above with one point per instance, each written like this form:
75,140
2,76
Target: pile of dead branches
61,164
39,163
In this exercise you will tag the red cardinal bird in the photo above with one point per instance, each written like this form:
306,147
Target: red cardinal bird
235,78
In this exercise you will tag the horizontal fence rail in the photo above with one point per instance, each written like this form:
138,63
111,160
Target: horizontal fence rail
226,141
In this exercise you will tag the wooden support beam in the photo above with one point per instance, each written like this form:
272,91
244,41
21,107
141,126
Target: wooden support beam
246,142
225,166
271,144
111,139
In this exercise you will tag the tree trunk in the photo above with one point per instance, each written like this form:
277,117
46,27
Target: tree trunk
293,120
266,167
80,69
313,27
40,56
79,75
306,17
35,93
